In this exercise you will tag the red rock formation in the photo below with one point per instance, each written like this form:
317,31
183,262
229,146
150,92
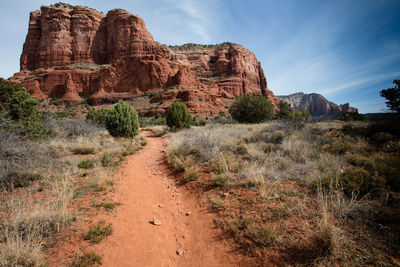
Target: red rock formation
75,53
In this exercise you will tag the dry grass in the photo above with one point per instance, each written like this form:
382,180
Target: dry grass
327,180
36,212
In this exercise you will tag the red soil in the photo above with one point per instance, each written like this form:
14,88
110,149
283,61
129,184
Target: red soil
147,190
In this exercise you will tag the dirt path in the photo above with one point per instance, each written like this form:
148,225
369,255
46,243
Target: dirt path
146,192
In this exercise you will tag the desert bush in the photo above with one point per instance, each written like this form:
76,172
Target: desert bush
284,110
122,121
99,232
325,240
199,122
83,150
98,116
252,108
265,237
7,89
220,181
360,180
351,116
179,161
88,259
240,224
72,127
86,164
178,116
191,175
23,107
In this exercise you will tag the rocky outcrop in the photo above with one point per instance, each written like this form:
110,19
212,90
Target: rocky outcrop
74,53
316,104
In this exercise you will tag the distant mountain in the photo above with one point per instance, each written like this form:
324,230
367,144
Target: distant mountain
316,104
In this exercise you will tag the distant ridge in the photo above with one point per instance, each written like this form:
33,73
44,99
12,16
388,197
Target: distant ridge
316,104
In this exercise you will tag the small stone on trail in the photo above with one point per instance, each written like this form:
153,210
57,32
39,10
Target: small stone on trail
156,222
160,205
188,213
179,252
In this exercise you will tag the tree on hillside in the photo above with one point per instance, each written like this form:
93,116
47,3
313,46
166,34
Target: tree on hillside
252,108
392,96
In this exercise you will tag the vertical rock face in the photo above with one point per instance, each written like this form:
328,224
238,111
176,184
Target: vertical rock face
75,53
316,104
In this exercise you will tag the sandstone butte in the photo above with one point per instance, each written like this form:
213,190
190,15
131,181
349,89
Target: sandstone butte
75,53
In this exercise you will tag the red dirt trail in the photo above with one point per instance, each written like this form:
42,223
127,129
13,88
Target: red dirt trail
147,190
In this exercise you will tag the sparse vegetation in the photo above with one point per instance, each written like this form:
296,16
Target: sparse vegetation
99,232
320,179
39,174
88,259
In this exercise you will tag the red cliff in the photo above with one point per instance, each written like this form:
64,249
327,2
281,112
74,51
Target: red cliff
74,53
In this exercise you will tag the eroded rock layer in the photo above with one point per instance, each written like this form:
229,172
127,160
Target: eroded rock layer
75,53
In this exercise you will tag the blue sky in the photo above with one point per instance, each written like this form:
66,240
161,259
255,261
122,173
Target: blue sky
347,50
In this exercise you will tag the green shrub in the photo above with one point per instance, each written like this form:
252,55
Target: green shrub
107,205
198,122
284,110
86,164
239,224
220,181
23,107
19,179
178,116
7,89
265,237
252,108
241,149
98,116
83,150
191,176
351,116
99,232
88,259
360,180
122,121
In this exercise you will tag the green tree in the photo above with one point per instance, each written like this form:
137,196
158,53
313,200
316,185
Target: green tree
178,116
22,106
122,120
7,89
300,115
284,110
98,116
392,96
252,108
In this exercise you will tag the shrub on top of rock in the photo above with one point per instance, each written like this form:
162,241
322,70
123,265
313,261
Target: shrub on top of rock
178,116
122,120
252,108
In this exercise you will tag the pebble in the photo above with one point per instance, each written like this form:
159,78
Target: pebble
188,213
160,205
179,252
156,222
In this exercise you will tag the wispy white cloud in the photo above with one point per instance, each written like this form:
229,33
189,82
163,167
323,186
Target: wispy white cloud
194,20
